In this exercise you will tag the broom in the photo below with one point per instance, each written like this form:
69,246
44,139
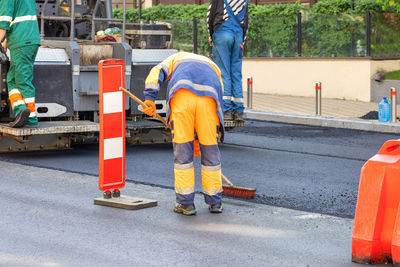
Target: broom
236,191
228,190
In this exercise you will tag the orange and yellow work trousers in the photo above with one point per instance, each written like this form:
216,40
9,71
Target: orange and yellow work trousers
190,113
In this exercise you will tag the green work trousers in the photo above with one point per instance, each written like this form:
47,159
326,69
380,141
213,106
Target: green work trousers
20,76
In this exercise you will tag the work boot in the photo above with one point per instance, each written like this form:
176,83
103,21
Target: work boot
217,208
185,209
228,115
21,119
238,115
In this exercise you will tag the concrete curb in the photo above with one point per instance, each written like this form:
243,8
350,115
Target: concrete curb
373,126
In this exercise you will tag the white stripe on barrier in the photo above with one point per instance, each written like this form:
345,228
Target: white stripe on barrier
113,148
112,102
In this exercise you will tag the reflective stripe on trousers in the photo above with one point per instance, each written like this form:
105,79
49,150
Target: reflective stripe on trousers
190,113
18,103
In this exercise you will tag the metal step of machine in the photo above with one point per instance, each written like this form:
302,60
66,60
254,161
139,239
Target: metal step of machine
54,135
48,135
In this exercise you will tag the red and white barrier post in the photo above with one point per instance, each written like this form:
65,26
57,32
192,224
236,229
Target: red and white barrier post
112,138
112,127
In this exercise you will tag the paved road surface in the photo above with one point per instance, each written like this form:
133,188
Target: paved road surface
48,219
294,166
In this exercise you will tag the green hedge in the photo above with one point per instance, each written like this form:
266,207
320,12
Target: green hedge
330,28
162,12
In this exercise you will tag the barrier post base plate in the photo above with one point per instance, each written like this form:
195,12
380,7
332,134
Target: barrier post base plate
126,202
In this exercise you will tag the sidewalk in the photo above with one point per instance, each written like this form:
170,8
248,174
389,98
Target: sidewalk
335,112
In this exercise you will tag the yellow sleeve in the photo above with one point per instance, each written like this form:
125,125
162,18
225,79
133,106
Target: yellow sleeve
152,80
157,75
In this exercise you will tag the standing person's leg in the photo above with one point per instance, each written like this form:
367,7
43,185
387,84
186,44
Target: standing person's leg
206,125
23,77
17,102
223,42
236,74
182,122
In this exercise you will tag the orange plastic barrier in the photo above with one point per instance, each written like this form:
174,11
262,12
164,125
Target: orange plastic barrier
396,240
112,125
377,207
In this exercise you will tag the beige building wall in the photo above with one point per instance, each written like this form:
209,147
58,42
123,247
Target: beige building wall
148,3
341,78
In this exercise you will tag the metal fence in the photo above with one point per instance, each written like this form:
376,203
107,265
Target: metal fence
191,36
334,36
304,35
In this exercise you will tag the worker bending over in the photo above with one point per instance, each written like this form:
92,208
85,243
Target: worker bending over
194,108
18,23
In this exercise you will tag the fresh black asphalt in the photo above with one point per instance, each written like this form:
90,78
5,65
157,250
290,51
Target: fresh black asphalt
295,166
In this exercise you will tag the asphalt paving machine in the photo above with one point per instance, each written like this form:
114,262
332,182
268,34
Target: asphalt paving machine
66,76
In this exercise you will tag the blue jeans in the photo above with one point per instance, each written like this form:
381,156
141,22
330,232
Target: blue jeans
227,54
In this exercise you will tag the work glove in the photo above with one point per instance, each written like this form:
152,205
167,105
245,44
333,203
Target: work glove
150,109
196,148
3,55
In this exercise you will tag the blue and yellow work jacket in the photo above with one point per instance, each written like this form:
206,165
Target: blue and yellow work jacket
189,71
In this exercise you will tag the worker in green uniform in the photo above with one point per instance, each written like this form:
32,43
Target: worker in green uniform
19,25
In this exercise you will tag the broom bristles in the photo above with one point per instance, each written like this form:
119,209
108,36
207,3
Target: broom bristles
236,191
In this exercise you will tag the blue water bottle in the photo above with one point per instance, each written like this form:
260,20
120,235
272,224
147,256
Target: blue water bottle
384,110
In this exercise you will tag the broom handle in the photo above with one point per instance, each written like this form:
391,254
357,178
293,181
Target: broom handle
140,102
226,179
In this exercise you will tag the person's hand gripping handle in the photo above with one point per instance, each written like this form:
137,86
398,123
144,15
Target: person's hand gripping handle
148,106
